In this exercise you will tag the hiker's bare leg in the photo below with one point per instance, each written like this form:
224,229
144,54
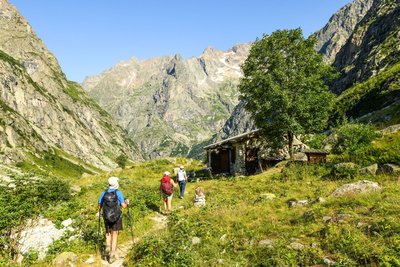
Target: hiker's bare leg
165,204
169,205
108,242
114,237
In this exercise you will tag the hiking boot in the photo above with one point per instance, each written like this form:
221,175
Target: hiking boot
112,258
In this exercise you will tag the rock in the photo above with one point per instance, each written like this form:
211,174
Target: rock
65,259
356,188
38,235
327,219
268,196
90,260
370,169
76,189
295,203
390,168
195,240
302,202
329,262
296,246
266,243
391,129
320,200
223,237
67,222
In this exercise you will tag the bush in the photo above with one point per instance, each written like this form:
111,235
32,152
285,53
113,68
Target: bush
352,137
29,197
121,160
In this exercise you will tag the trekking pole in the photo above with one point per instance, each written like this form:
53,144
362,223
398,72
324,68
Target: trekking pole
98,232
130,223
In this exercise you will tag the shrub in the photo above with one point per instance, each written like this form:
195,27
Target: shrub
29,197
121,160
352,137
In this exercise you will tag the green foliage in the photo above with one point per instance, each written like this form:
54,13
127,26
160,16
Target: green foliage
121,160
317,141
285,86
56,163
344,171
28,197
302,171
353,138
375,93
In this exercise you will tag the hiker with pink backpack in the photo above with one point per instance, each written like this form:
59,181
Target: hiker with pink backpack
167,190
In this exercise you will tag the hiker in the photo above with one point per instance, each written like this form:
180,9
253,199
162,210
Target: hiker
167,190
110,202
182,180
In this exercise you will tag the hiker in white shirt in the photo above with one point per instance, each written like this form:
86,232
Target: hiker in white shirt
182,180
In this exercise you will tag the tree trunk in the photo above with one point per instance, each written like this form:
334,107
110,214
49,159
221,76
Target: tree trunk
290,144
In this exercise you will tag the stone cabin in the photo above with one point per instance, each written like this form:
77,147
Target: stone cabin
244,154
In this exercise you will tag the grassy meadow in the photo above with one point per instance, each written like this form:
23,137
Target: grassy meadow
247,221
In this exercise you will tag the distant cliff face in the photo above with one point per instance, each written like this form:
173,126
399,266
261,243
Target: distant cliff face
168,104
40,111
373,46
332,37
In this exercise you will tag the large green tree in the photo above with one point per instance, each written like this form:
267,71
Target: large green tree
285,87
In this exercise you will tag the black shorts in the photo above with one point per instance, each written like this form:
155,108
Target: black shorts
115,226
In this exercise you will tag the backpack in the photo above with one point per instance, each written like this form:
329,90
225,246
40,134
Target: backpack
167,188
111,208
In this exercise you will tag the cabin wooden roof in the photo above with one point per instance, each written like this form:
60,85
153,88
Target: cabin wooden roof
234,139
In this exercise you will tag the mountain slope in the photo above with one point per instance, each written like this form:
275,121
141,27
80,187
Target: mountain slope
361,40
332,37
372,47
42,112
168,104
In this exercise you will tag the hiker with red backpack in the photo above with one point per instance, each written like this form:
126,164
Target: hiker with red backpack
167,190
110,202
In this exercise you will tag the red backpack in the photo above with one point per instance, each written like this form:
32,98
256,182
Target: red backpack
166,187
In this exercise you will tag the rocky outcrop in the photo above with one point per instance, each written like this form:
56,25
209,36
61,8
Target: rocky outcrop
332,37
372,47
41,111
167,104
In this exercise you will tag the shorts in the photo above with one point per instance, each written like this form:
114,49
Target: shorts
165,197
115,226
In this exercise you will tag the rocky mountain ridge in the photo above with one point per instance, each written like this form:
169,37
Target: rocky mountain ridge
167,104
332,37
42,112
361,40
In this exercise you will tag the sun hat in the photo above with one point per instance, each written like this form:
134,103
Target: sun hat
166,173
113,182
181,167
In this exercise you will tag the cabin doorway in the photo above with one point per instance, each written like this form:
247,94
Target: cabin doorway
251,161
220,162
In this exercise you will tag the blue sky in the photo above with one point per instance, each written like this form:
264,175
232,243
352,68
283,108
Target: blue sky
88,37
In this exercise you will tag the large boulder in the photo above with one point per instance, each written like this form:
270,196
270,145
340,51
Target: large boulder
356,188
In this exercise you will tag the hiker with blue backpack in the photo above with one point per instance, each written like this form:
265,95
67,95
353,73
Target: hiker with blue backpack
110,202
